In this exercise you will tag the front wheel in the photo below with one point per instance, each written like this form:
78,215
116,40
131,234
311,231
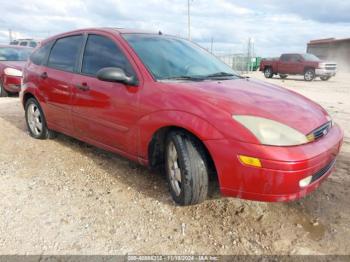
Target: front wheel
325,78
36,122
268,72
309,74
186,169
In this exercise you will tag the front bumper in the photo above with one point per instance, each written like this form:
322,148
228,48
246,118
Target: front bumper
12,84
325,72
282,167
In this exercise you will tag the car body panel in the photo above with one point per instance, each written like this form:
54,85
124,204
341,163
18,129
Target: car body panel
11,84
124,119
297,67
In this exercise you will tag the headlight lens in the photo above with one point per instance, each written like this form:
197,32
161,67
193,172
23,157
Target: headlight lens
12,72
270,132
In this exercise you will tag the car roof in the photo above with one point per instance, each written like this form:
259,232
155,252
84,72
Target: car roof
102,29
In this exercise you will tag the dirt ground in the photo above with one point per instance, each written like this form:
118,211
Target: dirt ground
65,197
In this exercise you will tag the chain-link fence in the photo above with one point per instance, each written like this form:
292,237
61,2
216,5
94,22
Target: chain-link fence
240,62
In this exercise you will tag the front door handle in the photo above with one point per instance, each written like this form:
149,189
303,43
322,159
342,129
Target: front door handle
83,87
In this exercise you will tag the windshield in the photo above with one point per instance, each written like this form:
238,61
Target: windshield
175,58
310,57
14,54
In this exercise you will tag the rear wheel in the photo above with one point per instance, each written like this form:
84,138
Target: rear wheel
186,169
36,122
325,78
3,92
309,74
268,72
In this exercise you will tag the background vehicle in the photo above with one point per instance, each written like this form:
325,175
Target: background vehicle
12,60
298,64
25,42
167,103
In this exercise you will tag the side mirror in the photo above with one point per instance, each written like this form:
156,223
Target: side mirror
115,74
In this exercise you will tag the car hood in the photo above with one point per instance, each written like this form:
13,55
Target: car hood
258,98
14,64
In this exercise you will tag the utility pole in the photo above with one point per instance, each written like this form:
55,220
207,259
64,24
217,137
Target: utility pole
189,18
211,45
10,35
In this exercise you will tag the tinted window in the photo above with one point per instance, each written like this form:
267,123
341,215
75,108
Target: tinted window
170,57
14,53
311,57
102,52
285,57
65,53
39,56
32,44
23,44
294,58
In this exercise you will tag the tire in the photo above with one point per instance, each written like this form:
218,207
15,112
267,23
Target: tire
3,92
309,74
36,122
325,78
283,76
268,72
186,169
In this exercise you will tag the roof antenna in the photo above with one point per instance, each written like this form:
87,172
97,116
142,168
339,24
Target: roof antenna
160,33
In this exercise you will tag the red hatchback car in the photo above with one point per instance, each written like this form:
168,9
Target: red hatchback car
12,60
165,102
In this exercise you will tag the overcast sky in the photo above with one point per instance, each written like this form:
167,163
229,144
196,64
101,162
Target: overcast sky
275,25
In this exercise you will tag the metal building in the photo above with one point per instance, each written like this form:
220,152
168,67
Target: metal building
331,49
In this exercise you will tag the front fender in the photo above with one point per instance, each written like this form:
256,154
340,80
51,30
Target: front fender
150,124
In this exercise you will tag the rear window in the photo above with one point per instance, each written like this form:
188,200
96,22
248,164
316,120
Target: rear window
65,52
14,53
40,55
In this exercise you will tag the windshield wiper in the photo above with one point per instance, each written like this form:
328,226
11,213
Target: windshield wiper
221,75
191,78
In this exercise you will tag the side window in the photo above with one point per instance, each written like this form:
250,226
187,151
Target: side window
65,52
23,44
285,58
294,58
33,44
39,56
102,52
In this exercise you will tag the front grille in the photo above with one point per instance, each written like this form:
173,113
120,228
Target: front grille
321,131
323,171
331,66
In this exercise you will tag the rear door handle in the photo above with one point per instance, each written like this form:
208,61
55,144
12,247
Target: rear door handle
44,75
83,87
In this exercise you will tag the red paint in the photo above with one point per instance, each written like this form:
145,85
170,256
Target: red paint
11,84
297,65
123,119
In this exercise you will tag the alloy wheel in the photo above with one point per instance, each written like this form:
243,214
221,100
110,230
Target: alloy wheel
174,169
34,119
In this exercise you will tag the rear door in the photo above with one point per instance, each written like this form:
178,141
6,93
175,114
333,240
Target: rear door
56,80
104,112
283,64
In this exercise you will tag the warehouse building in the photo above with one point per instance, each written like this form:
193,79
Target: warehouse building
331,49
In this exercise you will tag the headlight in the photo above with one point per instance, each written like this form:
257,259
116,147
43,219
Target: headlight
321,65
12,72
270,132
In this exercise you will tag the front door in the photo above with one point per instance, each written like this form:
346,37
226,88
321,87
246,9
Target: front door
104,112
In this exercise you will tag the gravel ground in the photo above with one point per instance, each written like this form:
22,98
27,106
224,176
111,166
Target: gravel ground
65,197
